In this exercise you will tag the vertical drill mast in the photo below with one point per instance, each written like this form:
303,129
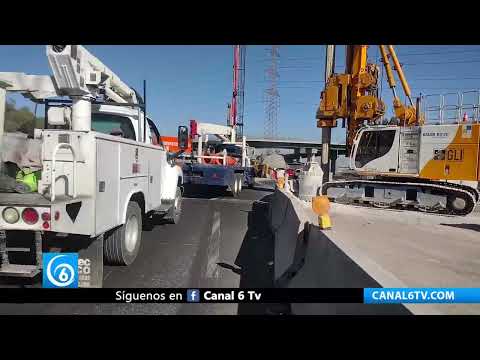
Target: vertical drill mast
327,131
353,95
235,108
236,61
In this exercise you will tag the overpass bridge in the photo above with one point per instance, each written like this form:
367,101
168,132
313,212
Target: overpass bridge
299,146
293,150
289,144
296,149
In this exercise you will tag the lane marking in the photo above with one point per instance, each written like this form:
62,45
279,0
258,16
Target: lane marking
219,199
108,274
233,201
213,250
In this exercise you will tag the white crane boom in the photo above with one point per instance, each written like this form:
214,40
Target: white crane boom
81,76
34,87
78,73
227,133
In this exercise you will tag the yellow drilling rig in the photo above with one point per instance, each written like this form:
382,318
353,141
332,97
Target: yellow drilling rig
410,164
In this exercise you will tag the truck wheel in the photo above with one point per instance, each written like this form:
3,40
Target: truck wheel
122,244
240,183
234,187
231,189
175,211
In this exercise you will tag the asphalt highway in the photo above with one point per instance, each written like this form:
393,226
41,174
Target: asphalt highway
220,242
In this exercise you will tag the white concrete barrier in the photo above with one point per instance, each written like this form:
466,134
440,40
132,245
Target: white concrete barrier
307,257
287,220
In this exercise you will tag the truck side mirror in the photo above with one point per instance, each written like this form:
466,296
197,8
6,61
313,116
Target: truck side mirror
182,137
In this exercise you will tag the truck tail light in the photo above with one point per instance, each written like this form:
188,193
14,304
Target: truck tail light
30,216
10,215
46,216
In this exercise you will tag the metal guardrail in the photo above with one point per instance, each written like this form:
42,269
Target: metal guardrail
451,108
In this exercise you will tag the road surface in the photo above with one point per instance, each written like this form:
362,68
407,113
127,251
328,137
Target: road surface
219,242
224,242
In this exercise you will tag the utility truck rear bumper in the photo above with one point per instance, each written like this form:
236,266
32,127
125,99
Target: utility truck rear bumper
35,212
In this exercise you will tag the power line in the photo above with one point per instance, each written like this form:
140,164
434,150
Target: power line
297,87
400,53
444,62
297,67
297,81
447,79
439,52
294,103
411,79
443,88
293,59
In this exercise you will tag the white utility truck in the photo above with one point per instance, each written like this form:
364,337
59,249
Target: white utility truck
102,171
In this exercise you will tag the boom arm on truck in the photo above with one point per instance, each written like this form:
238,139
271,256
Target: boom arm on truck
94,184
227,134
220,169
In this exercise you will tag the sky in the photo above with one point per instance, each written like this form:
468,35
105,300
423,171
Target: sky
195,82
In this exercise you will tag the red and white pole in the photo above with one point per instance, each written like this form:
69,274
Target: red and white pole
236,64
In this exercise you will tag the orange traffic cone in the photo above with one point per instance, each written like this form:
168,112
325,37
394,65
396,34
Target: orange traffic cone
321,206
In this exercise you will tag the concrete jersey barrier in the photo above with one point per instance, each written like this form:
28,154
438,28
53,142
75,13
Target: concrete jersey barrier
307,257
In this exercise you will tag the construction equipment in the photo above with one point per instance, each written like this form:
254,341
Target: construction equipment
103,172
236,106
224,162
411,164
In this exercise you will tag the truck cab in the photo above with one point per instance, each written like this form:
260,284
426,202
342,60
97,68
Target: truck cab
123,122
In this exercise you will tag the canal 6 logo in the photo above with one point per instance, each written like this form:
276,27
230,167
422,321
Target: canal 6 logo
60,270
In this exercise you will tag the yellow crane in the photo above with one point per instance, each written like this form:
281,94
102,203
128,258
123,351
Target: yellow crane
433,168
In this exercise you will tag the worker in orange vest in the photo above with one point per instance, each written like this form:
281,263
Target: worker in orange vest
208,152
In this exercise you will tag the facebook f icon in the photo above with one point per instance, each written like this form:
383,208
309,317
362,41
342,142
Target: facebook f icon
193,295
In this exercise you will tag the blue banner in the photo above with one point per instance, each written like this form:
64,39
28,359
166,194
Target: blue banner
421,295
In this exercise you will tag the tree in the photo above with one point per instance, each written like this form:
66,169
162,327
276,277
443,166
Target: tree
20,120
